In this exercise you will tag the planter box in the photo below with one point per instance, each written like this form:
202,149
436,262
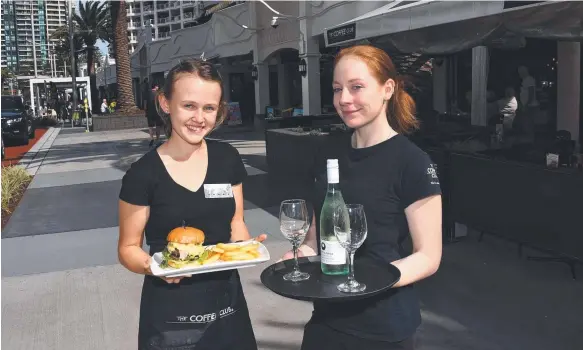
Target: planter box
119,122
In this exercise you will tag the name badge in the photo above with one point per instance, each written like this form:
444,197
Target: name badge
218,191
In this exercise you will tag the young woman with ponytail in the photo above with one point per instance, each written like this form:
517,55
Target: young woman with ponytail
168,188
398,186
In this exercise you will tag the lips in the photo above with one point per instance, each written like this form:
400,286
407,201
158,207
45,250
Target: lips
350,112
194,128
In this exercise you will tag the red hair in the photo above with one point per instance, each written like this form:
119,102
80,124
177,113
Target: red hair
401,107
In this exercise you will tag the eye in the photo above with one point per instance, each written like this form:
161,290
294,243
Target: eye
209,108
336,90
188,105
357,87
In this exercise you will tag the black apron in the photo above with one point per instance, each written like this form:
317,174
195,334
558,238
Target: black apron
202,312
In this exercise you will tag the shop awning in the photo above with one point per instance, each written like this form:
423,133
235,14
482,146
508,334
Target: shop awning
410,26
401,16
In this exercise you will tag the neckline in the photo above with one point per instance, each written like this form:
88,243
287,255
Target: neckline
208,150
373,148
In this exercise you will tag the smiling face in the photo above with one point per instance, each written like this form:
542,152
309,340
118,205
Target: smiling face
193,107
359,98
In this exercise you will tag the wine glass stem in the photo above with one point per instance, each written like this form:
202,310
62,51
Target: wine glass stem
296,264
350,266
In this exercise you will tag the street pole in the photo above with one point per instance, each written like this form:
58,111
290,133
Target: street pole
34,58
72,49
54,60
105,65
33,40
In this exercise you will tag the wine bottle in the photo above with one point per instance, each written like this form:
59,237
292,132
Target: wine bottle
332,255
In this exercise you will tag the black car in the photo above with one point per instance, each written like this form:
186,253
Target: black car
17,120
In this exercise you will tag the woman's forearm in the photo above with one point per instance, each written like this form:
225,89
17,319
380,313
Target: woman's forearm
134,258
239,231
415,267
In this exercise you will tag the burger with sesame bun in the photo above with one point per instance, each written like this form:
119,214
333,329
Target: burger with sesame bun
184,248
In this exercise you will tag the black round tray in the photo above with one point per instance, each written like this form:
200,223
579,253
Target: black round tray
319,286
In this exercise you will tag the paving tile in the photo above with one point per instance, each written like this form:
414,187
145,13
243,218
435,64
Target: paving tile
65,208
69,178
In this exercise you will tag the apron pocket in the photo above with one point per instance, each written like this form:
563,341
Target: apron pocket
177,317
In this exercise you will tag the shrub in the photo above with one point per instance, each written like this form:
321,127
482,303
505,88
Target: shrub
46,121
14,181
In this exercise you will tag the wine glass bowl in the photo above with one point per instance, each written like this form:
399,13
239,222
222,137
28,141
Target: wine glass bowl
294,224
351,230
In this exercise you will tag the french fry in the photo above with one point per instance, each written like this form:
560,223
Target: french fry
249,247
211,259
217,250
227,247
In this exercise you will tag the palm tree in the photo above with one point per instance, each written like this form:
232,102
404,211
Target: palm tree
125,98
92,20
63,48
7,76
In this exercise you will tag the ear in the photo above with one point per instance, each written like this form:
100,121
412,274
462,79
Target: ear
389,89
163,101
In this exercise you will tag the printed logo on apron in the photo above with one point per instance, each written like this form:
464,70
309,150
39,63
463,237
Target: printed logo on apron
206,318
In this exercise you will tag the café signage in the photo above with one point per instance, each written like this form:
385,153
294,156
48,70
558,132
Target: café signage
340,34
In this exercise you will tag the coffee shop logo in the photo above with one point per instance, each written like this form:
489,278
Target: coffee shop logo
323,246
205,318
432,172
343,33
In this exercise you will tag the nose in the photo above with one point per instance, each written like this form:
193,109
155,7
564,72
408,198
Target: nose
197,115
344,97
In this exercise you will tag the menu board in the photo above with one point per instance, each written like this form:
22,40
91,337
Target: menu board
233,114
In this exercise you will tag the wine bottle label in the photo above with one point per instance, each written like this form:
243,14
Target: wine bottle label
332,253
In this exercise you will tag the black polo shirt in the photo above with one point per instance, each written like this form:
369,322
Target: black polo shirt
386,178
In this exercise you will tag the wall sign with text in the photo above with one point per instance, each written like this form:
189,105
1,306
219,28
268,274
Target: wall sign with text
340,34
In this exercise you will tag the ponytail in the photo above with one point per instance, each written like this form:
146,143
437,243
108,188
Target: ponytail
400,107
401,110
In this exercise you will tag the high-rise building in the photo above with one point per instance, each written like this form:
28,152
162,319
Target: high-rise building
164,16
20,18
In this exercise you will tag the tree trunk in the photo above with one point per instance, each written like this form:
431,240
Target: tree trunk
95,104
125,96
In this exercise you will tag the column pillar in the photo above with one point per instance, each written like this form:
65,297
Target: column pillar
480,62
311,98
283,86
440,85
569,88
261,89
32,106
309,49
262,82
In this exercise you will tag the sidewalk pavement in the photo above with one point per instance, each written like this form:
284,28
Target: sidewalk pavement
63,289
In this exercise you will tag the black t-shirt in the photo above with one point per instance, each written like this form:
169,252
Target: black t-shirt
385,178
148,183
151,103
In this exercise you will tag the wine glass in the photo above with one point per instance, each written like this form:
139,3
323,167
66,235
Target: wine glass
294,224
350,229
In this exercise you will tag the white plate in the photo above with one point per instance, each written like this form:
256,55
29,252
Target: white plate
212,267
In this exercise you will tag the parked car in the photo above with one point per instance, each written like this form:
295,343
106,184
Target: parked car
17,120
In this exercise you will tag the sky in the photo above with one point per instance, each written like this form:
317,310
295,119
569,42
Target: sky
102,45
